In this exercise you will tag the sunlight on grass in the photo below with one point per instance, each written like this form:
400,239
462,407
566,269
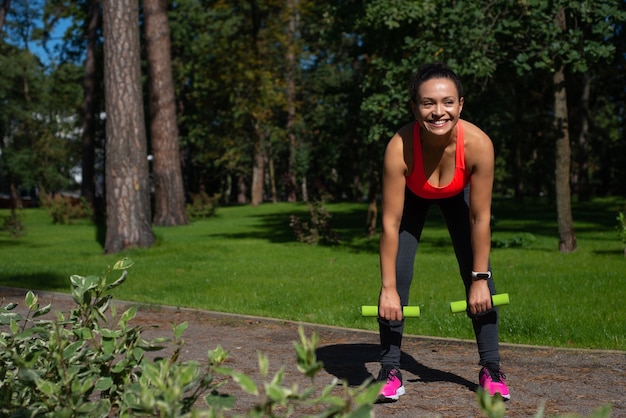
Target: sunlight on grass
245,260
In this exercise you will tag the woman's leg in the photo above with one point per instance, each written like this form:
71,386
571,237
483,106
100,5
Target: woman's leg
456,214
413,218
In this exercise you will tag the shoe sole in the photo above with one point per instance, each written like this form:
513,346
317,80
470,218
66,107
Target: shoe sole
382,398
504,397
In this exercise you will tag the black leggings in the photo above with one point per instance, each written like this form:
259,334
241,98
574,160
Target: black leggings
455,211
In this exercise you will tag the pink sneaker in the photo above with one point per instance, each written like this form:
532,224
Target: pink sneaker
393,388
491,379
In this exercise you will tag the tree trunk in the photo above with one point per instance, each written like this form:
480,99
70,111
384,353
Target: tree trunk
4,10
169,194
290,74
16,199
242,190
567,237
88,185
272,174
584,192
127,176
258,168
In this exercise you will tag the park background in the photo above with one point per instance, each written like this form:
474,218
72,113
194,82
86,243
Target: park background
195,136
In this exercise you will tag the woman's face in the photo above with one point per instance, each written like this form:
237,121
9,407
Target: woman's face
438,106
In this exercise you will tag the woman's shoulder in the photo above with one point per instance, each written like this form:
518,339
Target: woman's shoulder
472,134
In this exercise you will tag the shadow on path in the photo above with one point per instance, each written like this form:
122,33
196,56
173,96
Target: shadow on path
348,362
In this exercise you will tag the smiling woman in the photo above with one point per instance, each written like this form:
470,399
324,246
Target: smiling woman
434,161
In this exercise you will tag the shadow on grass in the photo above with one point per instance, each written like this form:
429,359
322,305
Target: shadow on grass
39,280
533,216
274,227
347,362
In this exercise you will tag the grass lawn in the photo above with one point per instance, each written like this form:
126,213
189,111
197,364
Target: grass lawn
246,260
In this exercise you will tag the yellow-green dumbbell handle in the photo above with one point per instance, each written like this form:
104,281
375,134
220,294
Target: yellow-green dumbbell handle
407,311
496,300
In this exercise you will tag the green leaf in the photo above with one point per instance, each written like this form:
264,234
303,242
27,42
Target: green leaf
264,364
11,306
47,387
277,393
123,264
109,333
219,401
42,311
119,281
31,300
363,411
72,349
179,330
246,383
129,314
370,394
217,356
104,383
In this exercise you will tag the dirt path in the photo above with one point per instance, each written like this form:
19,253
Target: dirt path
440,375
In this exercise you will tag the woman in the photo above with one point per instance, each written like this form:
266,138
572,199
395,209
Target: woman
437,160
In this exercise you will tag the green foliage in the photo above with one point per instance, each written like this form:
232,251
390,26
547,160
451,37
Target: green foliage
318,229
517,241
202,205
13,224
495,407
75,365
66,210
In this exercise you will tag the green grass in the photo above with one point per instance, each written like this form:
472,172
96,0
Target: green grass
245,260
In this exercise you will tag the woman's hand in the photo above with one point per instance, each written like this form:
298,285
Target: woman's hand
479,300
389,306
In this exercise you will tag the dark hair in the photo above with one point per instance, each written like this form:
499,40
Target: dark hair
430,71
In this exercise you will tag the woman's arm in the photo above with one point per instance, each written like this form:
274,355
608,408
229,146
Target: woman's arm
480,157
394,181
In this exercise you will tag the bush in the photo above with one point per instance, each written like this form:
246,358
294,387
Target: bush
517,241
75,366
66,210
202,205
318,229
13,224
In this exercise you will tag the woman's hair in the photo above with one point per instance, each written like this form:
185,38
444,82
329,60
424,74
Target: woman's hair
430,71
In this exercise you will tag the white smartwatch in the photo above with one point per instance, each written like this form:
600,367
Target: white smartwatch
481,275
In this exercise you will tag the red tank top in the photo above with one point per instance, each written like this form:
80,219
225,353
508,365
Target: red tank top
416,180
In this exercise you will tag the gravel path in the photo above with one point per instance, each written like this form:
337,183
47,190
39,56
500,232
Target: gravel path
440,375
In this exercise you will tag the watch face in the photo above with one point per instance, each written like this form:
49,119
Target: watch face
482,275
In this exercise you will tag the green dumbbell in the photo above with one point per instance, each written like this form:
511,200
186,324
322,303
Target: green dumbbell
407,311
496,300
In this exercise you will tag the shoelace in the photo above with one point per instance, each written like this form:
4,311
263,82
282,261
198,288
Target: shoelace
389,373
496,374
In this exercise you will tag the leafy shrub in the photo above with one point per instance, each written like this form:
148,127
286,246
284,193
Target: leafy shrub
517,241
75,366
66,210
318,229
13,224
494,407
202,205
